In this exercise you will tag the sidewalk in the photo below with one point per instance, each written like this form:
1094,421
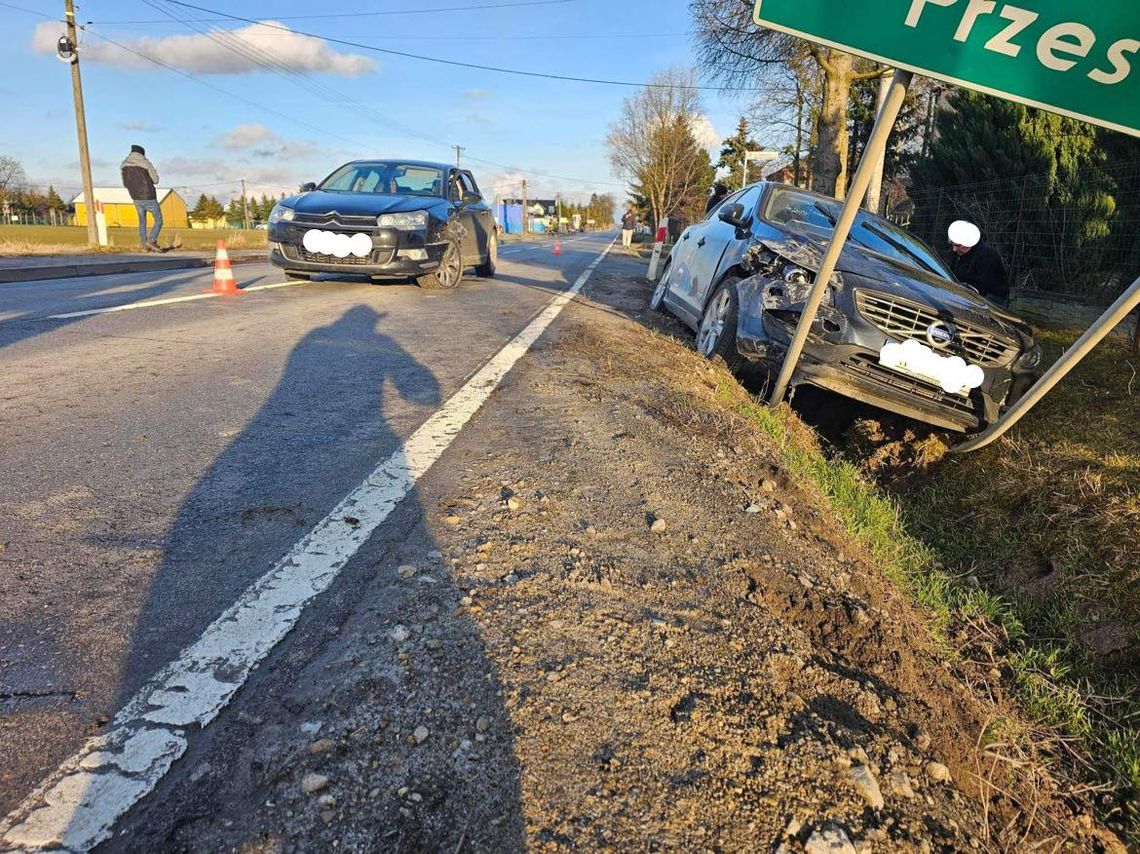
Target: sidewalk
28,268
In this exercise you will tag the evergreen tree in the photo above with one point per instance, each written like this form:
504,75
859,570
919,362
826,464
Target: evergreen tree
732,154
54,202
1033,181
207,207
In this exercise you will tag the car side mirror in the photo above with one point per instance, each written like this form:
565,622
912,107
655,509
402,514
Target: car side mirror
308,187
733,215
472,198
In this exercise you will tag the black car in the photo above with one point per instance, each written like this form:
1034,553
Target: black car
895,329
387,219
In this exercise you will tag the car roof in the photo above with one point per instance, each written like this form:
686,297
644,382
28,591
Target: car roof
426,163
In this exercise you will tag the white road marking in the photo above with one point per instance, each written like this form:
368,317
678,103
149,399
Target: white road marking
149,303
76,807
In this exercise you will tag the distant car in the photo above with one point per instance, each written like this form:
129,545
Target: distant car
895,329
387,219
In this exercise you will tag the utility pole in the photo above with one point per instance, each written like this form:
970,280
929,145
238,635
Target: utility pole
244,206
458,149
81,123
526,216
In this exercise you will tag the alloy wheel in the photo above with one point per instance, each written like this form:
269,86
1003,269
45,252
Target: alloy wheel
712,324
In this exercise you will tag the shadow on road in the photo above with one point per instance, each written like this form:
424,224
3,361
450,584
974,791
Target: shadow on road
344,666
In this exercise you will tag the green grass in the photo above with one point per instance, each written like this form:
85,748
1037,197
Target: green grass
1035,538
18,240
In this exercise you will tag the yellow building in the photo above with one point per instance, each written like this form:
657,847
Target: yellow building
119,209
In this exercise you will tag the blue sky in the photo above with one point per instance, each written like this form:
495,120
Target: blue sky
292,128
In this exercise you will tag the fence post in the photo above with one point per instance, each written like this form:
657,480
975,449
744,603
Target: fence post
1013,266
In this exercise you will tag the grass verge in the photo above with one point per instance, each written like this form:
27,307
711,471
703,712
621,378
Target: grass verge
25,240
1025,556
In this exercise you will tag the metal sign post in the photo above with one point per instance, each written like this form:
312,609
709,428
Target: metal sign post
1113,317
876,149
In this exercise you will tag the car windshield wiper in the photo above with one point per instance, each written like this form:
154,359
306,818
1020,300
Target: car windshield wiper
900,246
831,218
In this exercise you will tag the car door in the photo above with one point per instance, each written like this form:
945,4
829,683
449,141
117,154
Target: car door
694,238
468,215
715,238
484,221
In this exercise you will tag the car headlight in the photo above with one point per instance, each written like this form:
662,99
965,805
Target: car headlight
1029,360
280,213
797,275
403,221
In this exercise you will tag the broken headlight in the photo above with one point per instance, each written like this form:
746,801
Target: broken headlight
1030,360
797,275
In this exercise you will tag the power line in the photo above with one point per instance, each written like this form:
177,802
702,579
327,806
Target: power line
456,63
366,14
38,14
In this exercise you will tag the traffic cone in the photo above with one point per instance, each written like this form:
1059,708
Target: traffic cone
557,246
223,274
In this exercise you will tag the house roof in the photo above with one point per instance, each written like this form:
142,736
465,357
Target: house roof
120,196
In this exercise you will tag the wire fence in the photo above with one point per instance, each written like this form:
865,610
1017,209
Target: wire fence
1084,243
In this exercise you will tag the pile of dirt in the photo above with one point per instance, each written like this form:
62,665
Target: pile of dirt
619,625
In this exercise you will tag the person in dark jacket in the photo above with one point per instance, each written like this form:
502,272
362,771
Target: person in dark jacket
140,177
719,194
977,263
628,225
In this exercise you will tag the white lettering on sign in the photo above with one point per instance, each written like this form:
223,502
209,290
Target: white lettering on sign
1058,48
1120,64
1022,20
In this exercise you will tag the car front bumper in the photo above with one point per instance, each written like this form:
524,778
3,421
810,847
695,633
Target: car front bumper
395,254
842,356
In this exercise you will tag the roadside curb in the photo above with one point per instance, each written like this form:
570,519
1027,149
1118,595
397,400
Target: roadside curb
112,267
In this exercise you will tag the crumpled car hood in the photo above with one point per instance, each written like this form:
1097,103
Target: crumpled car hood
862,268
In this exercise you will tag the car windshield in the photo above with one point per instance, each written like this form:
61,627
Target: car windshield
399,179
808,213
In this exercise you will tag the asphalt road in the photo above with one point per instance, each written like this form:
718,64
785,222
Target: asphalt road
155,461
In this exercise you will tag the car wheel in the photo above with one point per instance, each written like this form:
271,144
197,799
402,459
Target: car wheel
298,277
657,301
448,274
487,269
716,336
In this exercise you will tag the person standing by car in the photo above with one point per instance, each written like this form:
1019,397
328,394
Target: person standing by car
628,225
140,177
977,263
719,194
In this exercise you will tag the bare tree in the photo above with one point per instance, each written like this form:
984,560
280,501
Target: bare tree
653,146
12,176
732,49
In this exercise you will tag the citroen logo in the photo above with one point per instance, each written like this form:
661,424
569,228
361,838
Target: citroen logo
939,335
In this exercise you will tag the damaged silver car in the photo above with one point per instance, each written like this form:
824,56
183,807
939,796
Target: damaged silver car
895,329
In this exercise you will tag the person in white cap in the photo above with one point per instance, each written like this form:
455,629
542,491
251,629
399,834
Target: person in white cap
977,263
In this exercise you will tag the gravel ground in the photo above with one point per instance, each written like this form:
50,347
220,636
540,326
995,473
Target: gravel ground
610,622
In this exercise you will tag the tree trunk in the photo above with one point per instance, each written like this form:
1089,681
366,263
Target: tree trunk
830,170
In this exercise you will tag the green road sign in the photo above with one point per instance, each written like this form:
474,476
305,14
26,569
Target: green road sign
1081,59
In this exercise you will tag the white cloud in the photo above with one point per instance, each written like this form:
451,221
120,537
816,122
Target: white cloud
475,94
706,135
247,136
140,125
210,53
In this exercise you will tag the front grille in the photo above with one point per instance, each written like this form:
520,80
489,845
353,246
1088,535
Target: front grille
300,253
334,218
902,319
868,369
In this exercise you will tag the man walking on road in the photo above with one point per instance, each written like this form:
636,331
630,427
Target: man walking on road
977,263
139,177
719,194
628,224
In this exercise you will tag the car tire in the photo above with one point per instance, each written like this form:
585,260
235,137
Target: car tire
716,336
298,277
448,274
657,299
486,270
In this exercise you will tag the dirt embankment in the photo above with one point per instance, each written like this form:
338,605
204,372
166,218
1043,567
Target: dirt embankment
618,625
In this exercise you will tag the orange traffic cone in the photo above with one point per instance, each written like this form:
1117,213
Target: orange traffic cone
557,246
223,274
